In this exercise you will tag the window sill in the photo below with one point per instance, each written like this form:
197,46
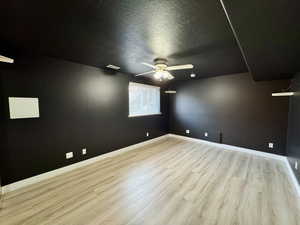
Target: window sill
140,115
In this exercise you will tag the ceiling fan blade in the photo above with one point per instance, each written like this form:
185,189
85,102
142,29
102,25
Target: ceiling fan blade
6,59
170,76
180,67
149,65
141,74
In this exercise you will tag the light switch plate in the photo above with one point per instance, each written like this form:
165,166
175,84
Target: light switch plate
206,134
147,134
83,151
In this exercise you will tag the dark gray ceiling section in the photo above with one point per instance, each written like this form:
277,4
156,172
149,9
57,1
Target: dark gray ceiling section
124,33
269,33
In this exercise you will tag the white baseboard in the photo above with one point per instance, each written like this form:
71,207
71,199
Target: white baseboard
53,173
250,151
44,176
233,148
293,177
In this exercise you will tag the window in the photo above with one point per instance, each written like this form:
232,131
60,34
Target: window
143,99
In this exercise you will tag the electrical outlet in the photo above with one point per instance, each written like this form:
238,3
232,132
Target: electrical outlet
206,134
187,131
83,151
271,145
147,134
69,155
296,165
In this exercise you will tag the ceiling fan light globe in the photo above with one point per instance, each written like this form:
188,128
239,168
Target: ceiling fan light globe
165,75
158,75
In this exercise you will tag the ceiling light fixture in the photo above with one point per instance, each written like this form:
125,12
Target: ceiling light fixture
162,75
170,92
282,94
158,75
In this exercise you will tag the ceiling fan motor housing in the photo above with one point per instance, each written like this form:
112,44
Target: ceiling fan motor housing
160,64
160,61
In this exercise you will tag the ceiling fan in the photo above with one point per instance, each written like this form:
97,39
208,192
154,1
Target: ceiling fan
161,69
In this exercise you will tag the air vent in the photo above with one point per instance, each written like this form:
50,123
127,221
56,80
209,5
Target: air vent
113,67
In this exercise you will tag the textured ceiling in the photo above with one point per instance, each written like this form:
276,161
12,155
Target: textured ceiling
124,32
269,33
129,32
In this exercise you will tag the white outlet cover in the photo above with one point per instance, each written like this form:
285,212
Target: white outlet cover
187,131
271,145
206,134
296,165
83,151
147,134
69,155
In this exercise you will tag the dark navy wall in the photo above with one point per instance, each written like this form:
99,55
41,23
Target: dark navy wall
242,110
80,107
293,149
86,107
2,135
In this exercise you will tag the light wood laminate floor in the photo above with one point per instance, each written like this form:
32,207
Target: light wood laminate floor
171,182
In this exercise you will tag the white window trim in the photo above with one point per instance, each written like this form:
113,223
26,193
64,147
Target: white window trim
140,84
148,114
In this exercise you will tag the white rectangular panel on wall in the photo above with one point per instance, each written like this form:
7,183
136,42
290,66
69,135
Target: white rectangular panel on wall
21,108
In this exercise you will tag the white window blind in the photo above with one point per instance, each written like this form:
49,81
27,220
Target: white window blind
143,99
